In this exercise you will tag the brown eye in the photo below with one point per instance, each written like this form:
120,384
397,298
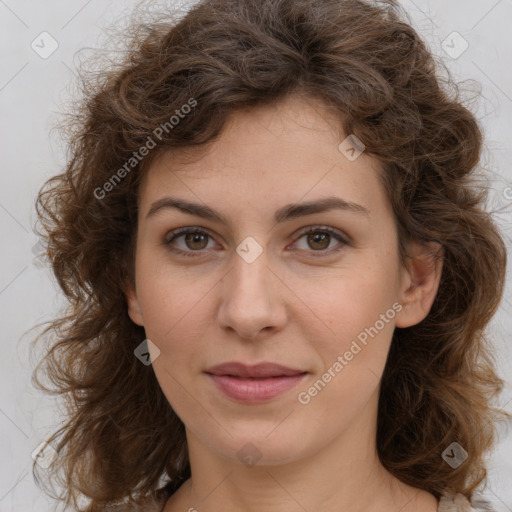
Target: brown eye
320,239
188,241
196,240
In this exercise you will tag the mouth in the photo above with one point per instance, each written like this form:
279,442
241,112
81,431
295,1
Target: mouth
254,383
258,371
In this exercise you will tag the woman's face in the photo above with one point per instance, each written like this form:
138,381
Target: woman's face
251,286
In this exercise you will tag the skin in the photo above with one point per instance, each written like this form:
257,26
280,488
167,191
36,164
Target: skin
300,304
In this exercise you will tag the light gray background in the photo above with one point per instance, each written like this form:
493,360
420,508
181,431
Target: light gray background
33,90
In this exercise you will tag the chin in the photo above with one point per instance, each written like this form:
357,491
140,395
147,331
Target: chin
257,446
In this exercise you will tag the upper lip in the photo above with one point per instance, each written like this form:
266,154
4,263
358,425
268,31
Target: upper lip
260,370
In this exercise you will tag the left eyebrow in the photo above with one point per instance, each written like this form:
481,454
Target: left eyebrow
287,212
292,211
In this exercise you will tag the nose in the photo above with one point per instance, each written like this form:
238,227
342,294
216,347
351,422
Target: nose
253,299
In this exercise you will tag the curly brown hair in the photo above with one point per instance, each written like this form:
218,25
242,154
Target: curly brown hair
365,61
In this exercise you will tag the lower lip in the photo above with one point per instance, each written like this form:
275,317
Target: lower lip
255,390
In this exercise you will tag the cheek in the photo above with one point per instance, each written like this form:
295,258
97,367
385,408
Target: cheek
353,351
353,301
358,310
175,320
172,312
169,296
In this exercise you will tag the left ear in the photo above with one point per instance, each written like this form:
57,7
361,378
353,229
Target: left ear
420,282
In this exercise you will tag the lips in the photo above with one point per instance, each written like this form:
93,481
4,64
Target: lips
258,371
255,383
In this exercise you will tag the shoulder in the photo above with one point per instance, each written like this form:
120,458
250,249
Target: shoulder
457,502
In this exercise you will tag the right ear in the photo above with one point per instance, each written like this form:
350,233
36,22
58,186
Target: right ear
132,301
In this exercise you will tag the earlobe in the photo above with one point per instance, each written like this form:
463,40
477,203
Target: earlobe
132,303
420,282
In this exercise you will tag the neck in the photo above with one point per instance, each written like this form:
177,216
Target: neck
345,475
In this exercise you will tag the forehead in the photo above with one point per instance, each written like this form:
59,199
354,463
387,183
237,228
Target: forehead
282,151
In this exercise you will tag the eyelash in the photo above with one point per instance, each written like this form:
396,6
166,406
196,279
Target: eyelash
171,237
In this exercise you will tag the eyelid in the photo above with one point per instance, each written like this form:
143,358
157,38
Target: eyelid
320,227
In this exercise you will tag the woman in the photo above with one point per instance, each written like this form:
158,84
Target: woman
278,268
